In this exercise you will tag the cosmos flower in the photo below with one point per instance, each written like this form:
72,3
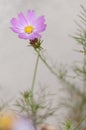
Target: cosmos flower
23,124
11,121
6,120
28,26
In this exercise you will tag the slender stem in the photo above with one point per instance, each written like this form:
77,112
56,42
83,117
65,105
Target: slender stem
35,72
47,65
32,88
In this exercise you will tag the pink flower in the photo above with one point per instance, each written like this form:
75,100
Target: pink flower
22,124
29,26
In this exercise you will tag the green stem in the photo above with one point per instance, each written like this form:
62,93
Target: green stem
35,72
47,65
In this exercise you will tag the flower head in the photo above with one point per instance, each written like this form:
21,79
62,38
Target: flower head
6,120
23,124
28,26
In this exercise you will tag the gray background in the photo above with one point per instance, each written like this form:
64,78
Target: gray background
17,60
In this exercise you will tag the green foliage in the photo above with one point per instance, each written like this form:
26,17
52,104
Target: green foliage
37,106
68,125
77,90
80,36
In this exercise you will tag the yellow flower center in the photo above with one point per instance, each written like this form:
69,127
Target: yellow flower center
6,121
28,29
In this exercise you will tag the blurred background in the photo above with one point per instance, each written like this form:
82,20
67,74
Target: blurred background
17,60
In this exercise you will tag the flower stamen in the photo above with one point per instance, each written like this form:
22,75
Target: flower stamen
28,29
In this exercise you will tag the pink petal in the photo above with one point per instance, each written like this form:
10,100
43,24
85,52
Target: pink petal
40,28
15,30
34,35
40,20
31,16
22,19
15,22
23,36
29,36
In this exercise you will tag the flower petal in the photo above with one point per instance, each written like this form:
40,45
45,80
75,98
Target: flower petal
23,124
22,19
23,36
29,36
15,22
40,20
16,30
34,35
31,16
40,25
40,28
